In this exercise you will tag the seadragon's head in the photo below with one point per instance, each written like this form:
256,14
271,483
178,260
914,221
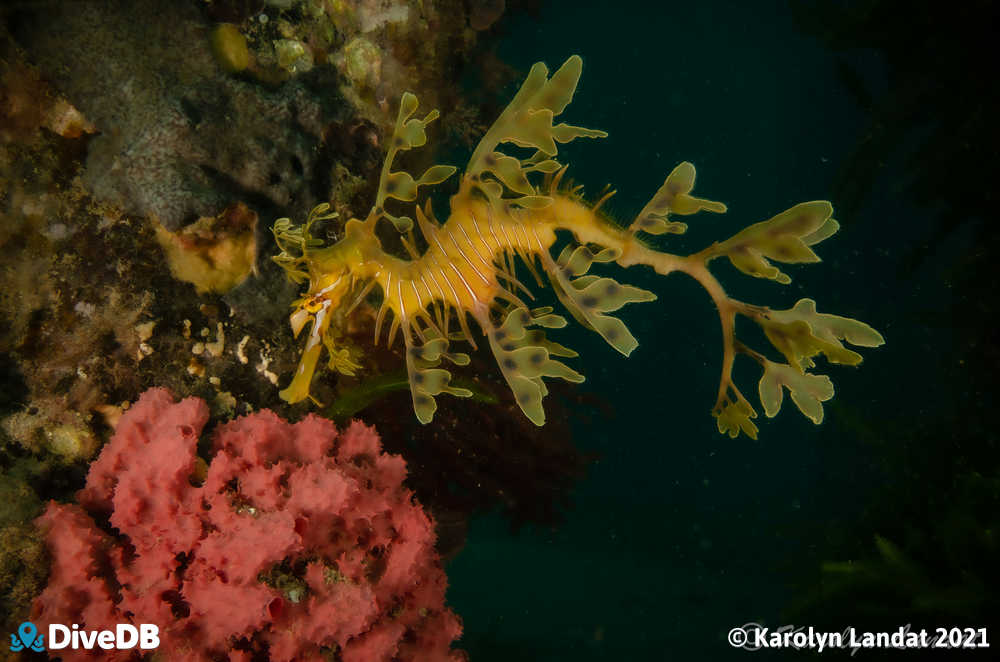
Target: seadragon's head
341,275
332,280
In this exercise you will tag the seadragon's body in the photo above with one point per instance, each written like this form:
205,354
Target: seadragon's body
466,270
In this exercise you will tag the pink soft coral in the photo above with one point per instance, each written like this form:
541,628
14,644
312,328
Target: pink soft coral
298,540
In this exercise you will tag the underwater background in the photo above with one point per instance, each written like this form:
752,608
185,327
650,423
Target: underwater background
688,533
627,527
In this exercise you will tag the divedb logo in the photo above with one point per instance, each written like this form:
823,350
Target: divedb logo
124,637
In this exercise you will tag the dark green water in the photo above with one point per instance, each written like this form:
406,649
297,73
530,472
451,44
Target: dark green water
677,533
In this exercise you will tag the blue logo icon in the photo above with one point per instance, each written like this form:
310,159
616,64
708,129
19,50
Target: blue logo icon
27,637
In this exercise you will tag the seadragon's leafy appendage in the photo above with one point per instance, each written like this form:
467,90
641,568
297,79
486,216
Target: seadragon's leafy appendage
499,217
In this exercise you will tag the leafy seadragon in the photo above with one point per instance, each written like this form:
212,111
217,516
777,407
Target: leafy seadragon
499,214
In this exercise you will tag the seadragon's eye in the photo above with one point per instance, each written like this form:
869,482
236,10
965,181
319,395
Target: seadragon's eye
314,304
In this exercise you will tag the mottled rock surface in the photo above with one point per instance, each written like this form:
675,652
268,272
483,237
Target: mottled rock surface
179,137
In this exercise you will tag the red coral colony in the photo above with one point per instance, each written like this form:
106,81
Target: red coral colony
293,542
